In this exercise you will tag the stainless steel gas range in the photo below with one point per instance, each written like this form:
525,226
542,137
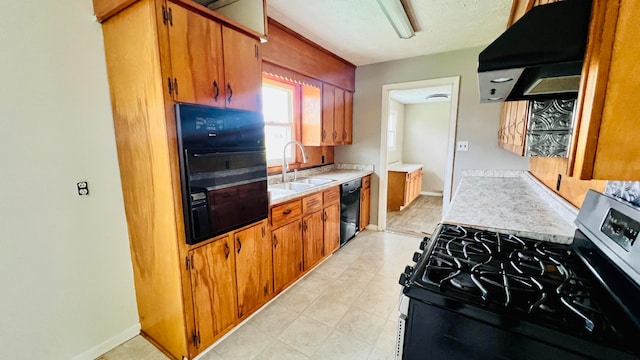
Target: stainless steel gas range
479,294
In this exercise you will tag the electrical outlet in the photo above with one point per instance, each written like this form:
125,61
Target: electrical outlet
83,188
462,146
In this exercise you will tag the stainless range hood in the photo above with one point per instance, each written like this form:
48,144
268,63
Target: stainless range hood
539,57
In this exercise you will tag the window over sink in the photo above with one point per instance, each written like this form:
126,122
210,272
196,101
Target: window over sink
280,99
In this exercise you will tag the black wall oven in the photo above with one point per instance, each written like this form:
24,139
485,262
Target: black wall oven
223,169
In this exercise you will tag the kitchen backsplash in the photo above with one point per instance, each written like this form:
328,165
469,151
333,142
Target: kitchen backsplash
625,190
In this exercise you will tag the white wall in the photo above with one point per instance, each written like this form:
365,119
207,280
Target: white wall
426,136
396,154
477,123
65,269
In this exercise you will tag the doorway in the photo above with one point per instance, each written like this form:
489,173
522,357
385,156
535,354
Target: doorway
411,93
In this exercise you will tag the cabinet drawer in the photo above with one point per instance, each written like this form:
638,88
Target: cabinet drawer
366,182
312,203
281,214
331,195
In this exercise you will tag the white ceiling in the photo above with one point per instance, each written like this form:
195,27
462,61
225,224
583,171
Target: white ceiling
358,31
422,95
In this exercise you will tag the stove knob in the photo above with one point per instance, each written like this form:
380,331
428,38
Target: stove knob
404,278
408,270
416,256
423,244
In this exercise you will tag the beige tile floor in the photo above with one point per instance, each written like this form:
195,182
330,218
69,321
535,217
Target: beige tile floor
420,217
345,308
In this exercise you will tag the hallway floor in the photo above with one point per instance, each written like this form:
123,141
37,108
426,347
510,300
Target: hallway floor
345,308
420,217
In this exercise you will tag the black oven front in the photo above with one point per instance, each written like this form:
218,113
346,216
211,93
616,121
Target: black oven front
223,169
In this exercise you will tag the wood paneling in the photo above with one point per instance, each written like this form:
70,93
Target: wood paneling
213,283
145,160
292,51
312,239
328,115
254,268
572,189
331,228
287,254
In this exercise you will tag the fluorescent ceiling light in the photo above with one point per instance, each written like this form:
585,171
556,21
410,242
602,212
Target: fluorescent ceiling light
394,11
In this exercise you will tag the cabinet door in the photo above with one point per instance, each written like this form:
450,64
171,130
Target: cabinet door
312,239
365,204
348,117
338,116
213,284
331,224
254,268
328,113
242,70
196,58
287,254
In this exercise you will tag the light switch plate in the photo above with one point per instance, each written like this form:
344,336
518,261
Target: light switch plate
462,146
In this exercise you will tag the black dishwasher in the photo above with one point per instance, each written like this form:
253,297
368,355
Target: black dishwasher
349,210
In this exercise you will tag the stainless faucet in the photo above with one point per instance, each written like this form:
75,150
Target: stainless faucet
285,166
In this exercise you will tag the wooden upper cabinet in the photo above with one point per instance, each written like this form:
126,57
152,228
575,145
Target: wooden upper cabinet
513,126
311,118
254,267
348,117
328,114
606,146
338,116
212,64
242,70
196,58
213,284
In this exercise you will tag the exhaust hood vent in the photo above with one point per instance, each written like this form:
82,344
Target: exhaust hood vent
539,57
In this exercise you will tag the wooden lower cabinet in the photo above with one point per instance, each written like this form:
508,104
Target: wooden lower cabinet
312,239
213,284
331,227
287,254
365,207
254,268
403,188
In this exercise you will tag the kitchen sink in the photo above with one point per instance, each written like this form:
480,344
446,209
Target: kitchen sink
313,181
292,186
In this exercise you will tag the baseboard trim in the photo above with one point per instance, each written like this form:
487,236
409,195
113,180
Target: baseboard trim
109,344
431,193
372,227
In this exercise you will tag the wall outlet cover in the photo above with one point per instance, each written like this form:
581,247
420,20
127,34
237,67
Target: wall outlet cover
462,146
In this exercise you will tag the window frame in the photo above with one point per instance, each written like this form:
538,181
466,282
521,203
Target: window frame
296,99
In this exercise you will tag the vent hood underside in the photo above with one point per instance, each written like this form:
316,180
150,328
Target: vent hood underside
538,57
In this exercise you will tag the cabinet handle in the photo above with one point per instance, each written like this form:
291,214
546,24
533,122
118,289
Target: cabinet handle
275,241
300,266
230,92
304,225
266,290
239,244
335,134
263,232
324,134
344,135
324,215
226,250
286,212
175,81
216,90
256,51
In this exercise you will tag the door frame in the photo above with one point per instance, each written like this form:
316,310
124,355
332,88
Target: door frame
454,81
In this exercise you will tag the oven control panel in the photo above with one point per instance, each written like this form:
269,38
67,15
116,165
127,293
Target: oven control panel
621,229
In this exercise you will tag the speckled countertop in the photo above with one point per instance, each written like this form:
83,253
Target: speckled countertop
512,201
403,167
341,173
